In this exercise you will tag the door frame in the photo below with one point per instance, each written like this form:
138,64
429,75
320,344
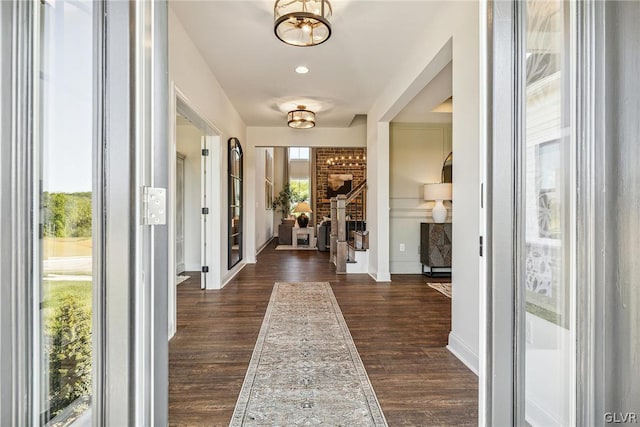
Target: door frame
130,345
179,103
500,403
180,158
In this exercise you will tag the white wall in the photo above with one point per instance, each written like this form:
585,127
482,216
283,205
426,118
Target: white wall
416,154
188,143
278,182
264,216
352,136
192,77
452,35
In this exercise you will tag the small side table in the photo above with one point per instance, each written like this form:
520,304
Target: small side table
306,231
435,249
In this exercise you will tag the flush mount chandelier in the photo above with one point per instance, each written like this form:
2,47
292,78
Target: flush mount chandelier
302,22
301,118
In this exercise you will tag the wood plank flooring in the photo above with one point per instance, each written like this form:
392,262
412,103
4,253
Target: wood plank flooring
400,330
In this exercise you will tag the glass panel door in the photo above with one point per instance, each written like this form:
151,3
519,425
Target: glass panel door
66,174
546,214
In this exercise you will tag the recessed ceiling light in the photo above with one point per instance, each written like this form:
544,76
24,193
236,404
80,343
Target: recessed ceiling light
302,69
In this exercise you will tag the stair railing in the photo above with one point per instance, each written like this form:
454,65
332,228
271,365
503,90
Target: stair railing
343,244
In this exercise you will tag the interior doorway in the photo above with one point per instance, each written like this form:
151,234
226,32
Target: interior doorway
190,237
194,191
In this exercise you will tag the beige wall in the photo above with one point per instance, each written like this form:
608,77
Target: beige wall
278,182
264,216
416,154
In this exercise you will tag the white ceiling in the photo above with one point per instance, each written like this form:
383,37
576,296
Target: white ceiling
371,40
434,93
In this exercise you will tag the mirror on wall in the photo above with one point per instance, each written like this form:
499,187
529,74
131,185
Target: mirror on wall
235,202
447,169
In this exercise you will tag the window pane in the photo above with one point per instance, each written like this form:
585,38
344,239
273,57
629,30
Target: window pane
550,355
300,188
298,153
66,204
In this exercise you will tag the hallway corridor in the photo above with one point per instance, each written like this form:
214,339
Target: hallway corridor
399,329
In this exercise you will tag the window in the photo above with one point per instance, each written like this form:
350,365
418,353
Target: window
299,153
300,188
64,326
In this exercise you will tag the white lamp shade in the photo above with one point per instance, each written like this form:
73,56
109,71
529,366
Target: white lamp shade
437,191
302,207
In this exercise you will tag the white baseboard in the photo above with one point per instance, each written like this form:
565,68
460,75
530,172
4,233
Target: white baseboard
264,245
383,277
362,263
232,274
460,350
171,332
193,267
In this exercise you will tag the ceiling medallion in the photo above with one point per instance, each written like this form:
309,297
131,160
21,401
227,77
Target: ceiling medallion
302,22
301,118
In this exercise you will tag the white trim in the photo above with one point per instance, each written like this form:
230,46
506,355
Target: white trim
361,265
171,210
264,245
380,277
238,267
212,187
463,352
537,416
483,142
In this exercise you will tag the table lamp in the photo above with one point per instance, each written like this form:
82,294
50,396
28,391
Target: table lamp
303,208
438,192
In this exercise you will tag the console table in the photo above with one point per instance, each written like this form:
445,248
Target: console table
302,231
435,249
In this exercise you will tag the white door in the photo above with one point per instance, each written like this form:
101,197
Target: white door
563,244
204,211
83,121
534,215
180,213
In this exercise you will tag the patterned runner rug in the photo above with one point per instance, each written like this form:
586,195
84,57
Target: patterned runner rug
305,369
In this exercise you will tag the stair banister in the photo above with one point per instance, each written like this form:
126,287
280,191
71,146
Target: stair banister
340,251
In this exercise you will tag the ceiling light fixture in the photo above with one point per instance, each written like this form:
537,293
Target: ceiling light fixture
302,22
350,163
302,69
301,118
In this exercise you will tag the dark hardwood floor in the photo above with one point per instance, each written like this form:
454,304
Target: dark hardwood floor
400,330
